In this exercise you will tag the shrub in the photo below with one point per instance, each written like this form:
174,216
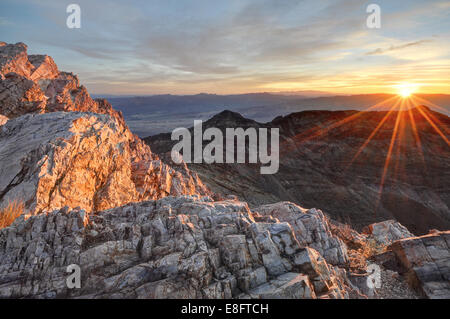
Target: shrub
10,213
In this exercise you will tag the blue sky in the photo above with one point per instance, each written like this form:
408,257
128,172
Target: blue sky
188,47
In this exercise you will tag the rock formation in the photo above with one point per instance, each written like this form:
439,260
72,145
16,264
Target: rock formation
175,247
387,232
51,159
425,261
33,84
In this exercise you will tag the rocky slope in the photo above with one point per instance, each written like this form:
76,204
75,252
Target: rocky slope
50,159
185,247
316,168
194,247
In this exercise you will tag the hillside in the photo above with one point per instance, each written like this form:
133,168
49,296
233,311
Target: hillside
316,168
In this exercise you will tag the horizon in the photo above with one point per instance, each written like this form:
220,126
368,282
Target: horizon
239,47
283,93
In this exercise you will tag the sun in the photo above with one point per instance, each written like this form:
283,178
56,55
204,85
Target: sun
405,90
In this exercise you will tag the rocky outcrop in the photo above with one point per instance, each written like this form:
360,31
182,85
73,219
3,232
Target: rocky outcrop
175,247
426,263
310,228
50,159
387,232
14,58
85,160
33,84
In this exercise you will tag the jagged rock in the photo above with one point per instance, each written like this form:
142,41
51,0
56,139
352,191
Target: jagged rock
13,58
3,120
20,95
72,159
33,84
387,232
426,262
286,286
310,228
175,247
89,160
43,67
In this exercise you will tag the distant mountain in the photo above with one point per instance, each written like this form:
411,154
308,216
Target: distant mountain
149,115
316,167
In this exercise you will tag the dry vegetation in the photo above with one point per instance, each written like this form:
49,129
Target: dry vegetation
360,248
10,213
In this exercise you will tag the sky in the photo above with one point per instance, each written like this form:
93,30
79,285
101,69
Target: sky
239,46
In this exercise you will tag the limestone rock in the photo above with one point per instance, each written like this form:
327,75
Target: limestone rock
387,232
310,228
84,160
426,262
174,247
33,84
13,58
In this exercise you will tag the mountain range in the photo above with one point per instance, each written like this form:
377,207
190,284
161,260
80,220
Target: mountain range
150,115
318,167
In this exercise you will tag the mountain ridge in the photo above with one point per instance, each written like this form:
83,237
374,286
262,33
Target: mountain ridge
313,146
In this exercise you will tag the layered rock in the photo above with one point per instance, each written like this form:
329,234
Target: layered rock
85,160
175,247
33,84
387,232
310,228
426,262
90,160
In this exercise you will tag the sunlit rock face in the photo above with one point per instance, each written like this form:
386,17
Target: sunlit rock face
50,159
3,120
387,232
85,160
33,84
175,247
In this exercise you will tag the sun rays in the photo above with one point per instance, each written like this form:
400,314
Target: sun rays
407,115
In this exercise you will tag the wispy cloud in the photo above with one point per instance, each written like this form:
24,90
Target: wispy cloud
397,47
170,46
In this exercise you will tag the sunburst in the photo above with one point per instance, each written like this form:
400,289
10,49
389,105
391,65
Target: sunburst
401,106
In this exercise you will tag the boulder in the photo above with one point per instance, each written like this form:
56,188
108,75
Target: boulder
426,263
387,232
311,229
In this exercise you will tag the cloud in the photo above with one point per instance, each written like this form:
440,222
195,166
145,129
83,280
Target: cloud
172,46
398,47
